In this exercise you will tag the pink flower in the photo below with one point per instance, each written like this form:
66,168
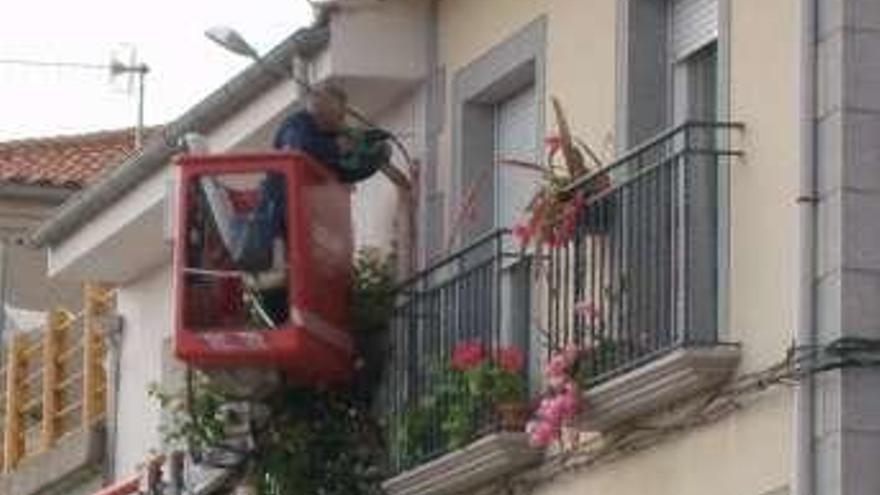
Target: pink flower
541,433
557,367
510,359
569,401
467,355
570,355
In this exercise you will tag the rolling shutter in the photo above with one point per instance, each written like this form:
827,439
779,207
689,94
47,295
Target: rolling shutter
694,25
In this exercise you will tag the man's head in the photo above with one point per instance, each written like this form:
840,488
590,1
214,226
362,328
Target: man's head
326,103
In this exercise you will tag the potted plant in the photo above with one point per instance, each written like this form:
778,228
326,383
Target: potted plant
497,379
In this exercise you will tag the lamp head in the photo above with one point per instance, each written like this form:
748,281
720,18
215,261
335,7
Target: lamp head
230,39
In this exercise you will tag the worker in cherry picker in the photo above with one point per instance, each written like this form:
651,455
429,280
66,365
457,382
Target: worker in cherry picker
320,131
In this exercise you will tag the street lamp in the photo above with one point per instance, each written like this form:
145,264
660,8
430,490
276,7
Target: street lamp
230,39
234,42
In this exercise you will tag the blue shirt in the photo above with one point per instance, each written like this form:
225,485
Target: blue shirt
301,132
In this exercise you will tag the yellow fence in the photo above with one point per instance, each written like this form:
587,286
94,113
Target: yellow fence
52,380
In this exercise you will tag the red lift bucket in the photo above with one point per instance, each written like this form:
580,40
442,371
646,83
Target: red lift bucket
262,266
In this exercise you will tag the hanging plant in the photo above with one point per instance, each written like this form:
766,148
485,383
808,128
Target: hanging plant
552,214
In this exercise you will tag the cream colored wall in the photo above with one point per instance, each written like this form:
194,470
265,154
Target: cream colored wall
748,453
743,455
764,96
580,58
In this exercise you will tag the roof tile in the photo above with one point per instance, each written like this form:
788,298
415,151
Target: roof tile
70,161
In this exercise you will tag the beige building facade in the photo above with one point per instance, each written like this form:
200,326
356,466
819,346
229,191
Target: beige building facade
732,247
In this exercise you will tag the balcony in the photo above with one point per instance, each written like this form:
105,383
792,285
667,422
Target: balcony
638,282
53,386
481,297
636,285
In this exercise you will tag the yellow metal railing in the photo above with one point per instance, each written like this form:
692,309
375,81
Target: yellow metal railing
52,380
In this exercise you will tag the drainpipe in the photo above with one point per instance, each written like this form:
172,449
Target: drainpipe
4,285
804,475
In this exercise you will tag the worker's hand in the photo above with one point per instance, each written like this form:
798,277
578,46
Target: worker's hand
345,143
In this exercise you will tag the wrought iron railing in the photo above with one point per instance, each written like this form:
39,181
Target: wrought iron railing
639,277
478,297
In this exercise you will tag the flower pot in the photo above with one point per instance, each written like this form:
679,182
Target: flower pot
513,415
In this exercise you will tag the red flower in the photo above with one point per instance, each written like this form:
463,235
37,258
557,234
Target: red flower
467,355
510,359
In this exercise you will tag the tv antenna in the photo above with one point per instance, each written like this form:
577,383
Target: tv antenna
134,71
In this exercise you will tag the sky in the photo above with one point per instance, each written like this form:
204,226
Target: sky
168,35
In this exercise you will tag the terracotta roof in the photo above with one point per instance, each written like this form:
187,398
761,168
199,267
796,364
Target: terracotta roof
71,161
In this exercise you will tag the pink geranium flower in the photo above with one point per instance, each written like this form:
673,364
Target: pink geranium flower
562,401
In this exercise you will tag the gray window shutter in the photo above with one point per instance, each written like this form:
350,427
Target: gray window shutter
694,25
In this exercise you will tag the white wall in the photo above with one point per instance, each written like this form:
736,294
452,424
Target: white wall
145,305
377,206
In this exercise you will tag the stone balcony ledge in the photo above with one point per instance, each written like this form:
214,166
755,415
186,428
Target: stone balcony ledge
486,459
659,383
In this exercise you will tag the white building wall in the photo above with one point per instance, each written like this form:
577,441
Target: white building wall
378,208
145,305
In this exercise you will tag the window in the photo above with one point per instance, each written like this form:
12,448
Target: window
679,40
497,113
694,27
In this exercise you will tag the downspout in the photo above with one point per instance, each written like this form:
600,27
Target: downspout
803,477
4,285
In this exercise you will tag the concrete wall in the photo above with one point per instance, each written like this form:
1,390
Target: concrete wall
27,284
848,122
145,305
